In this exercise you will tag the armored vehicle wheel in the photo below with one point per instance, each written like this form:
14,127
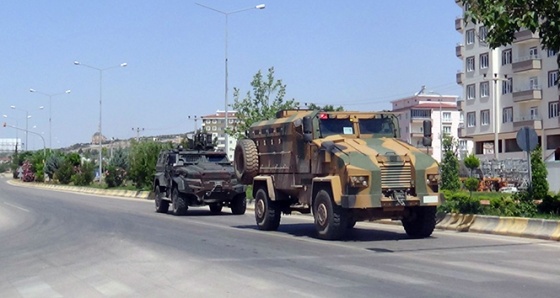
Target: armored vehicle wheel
162,206
421,222
215,208
267,214
179,205
330,220
239,205
246,161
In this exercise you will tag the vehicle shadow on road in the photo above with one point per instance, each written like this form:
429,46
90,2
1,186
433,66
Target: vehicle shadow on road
202,212
355,234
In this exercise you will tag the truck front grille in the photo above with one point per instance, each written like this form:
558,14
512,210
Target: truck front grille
396,176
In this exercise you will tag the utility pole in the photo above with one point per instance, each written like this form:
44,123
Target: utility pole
138,130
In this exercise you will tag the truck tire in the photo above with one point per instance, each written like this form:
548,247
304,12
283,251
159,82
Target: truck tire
216,208
246,161
162,206
267,213
239,205
331,221
421,222
179,205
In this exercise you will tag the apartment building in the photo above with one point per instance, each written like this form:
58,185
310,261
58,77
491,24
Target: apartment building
215,124
506,89
441,110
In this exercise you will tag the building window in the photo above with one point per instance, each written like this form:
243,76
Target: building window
471,119
534,53
534,112
482,31
470,63
446,129
551,53
471,91
484,61
470,36
506,57
420,114
553,109
507,115
214,128
485,117
461,118
534,83
463,145
446,116
507,86
484,89
552,78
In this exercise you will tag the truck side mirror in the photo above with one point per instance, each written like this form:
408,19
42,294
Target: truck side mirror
307,129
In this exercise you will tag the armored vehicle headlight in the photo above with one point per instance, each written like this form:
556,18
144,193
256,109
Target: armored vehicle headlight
432,178
359,181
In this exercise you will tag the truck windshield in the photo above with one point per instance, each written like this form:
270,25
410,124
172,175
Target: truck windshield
333,126
380,127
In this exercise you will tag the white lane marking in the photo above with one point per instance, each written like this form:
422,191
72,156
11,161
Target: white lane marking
35,287
15,206
483,267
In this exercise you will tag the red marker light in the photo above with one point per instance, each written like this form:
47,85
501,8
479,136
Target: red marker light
323,116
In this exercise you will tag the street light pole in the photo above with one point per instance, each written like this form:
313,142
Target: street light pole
226,14
440,125
50,109
100,136
27,116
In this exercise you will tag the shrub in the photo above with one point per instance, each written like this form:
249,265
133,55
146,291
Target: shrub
114,176
459,202
64,173
550,205
83,174
28,175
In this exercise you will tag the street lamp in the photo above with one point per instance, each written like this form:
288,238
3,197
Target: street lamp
440,126
27,116
17,125
100,108
226,14
50,108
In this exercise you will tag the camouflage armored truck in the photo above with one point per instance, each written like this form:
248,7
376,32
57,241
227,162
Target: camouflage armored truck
341,166
197,177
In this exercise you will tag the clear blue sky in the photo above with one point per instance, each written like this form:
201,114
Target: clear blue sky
358,54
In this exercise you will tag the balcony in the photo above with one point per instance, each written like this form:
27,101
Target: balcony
460,104
459,24
462,132
532,94
459,77
522,36
527,64
534,122
459,50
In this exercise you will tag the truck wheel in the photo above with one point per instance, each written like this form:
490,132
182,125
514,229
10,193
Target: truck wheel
239,205
162,206
267,214
179,205
215,208
421,222
331,221
246,161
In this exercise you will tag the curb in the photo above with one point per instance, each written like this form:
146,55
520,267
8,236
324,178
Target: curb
135,194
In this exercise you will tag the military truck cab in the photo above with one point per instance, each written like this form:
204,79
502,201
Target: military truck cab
341,166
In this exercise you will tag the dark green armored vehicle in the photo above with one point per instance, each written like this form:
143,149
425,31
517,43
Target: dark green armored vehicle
197,177
341,166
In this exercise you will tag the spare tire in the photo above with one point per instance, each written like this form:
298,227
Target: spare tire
246,161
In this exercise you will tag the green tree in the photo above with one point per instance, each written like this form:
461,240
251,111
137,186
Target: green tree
472,163
266,99
83,174
450,165
505,17
539,184
471,184
326,108
142,162
52,163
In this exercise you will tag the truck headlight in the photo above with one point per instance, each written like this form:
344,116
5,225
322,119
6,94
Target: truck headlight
432,178
359,181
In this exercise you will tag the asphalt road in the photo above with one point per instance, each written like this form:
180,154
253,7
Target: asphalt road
56,244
